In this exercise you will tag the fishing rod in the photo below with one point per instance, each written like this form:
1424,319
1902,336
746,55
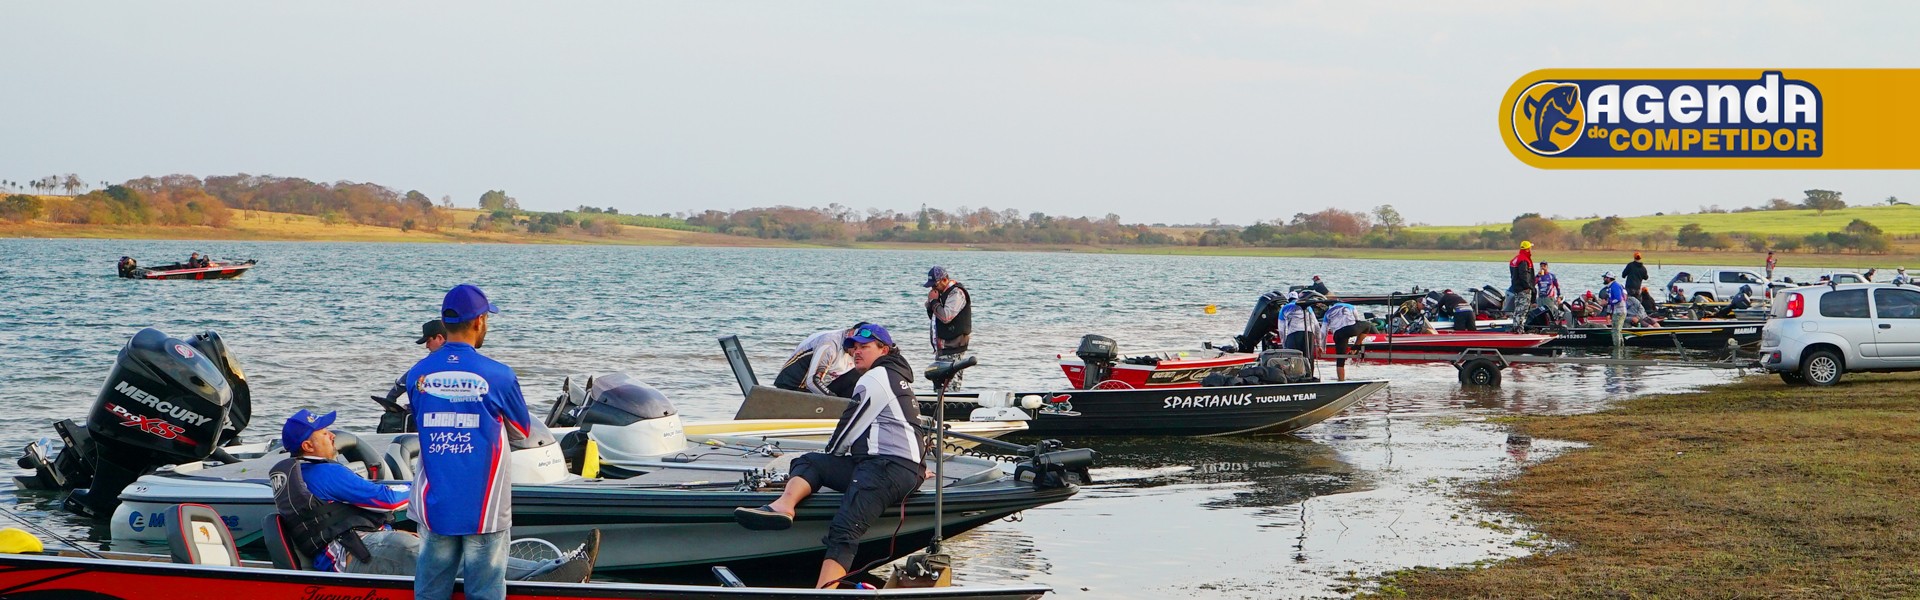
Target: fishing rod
44,531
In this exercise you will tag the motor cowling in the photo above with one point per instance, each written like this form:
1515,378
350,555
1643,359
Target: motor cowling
630,420
240,410
164,403
1263,322
1097,354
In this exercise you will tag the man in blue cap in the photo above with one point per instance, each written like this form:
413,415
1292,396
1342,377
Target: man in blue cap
343,521
333,514
466,407
950,311
873,458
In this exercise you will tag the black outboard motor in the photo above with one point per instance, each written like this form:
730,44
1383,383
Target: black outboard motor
240,410
1262,323
1098,353
164,403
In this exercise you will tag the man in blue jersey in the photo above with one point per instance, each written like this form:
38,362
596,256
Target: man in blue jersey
466,407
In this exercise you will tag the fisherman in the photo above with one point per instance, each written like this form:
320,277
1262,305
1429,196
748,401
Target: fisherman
432,334
193,262
820,365
950,312
1616,306
1462,311
1636,275
1411,316
1740,301
127,265
1297,323
1319,287
1770,263
343,521
874,457
463,499
1348,330
1547,285
1900,277
1521,282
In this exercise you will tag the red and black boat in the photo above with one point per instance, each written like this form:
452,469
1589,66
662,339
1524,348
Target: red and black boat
72,575
211,270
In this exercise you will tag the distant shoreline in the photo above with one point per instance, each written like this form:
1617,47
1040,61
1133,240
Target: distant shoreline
275,227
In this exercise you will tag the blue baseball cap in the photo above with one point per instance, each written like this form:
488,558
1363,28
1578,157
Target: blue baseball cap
301,426
868,332
933,275
465,302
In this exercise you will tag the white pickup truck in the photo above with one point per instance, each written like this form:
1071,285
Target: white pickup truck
1717,284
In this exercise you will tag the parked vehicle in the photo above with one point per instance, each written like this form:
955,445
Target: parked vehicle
1819,333
1717,284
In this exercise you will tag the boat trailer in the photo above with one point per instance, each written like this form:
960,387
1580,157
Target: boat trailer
1482,366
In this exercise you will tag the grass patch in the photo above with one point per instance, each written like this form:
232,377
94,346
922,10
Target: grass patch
1754,489
1892,219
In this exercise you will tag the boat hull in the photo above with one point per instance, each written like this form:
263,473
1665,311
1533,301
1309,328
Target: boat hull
218,271
1692,337
135,577
1236,410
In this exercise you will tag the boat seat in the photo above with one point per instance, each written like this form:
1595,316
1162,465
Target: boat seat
200,537
764,402
400,456
279,550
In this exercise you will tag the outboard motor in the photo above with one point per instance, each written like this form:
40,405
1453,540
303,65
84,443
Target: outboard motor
629,420
1263,322
164,403
1098,353
240,410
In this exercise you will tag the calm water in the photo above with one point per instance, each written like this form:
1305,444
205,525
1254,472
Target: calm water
325,325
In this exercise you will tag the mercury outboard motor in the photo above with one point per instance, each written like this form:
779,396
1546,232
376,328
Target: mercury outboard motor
1097,353
164,403
1262,323
628,420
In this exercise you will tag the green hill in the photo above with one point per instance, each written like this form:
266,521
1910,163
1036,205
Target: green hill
1898,221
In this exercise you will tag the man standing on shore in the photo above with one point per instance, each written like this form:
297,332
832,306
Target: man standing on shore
466,407
950,313
1770,263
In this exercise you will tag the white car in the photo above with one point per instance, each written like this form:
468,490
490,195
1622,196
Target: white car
1819,333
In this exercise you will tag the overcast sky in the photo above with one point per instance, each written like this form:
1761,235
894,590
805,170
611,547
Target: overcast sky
1158,111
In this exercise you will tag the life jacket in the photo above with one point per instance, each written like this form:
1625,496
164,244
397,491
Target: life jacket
312,523
962,324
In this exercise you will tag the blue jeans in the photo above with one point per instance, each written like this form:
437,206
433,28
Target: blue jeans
481,559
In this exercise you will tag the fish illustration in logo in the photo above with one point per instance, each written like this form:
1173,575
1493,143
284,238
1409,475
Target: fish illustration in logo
1548,118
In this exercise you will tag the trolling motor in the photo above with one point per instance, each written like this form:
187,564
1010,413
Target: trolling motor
167,401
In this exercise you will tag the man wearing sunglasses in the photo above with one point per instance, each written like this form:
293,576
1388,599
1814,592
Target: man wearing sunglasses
873,458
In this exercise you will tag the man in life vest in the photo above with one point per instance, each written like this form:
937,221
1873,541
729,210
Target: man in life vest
950,312
343,521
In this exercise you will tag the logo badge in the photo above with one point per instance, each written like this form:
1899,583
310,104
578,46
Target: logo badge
1548,118
183,350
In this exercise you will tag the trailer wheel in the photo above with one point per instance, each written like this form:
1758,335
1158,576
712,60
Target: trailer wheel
1480,372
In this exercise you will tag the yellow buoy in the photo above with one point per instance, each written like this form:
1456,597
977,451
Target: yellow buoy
1210,309
590,463
15,541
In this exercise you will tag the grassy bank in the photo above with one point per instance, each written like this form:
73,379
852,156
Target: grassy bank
271,226
1753,489
1894,219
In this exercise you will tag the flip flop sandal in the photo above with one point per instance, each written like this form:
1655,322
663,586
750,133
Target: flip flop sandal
762,519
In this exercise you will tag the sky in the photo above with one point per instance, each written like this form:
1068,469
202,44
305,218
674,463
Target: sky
1172,112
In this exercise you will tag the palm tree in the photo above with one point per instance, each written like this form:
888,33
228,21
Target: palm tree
72,182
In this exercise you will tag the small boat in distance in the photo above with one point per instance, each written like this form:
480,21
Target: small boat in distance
131,269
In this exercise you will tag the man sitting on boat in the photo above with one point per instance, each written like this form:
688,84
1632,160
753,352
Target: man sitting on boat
875,444
1740,301
127,265
344,522
820,365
